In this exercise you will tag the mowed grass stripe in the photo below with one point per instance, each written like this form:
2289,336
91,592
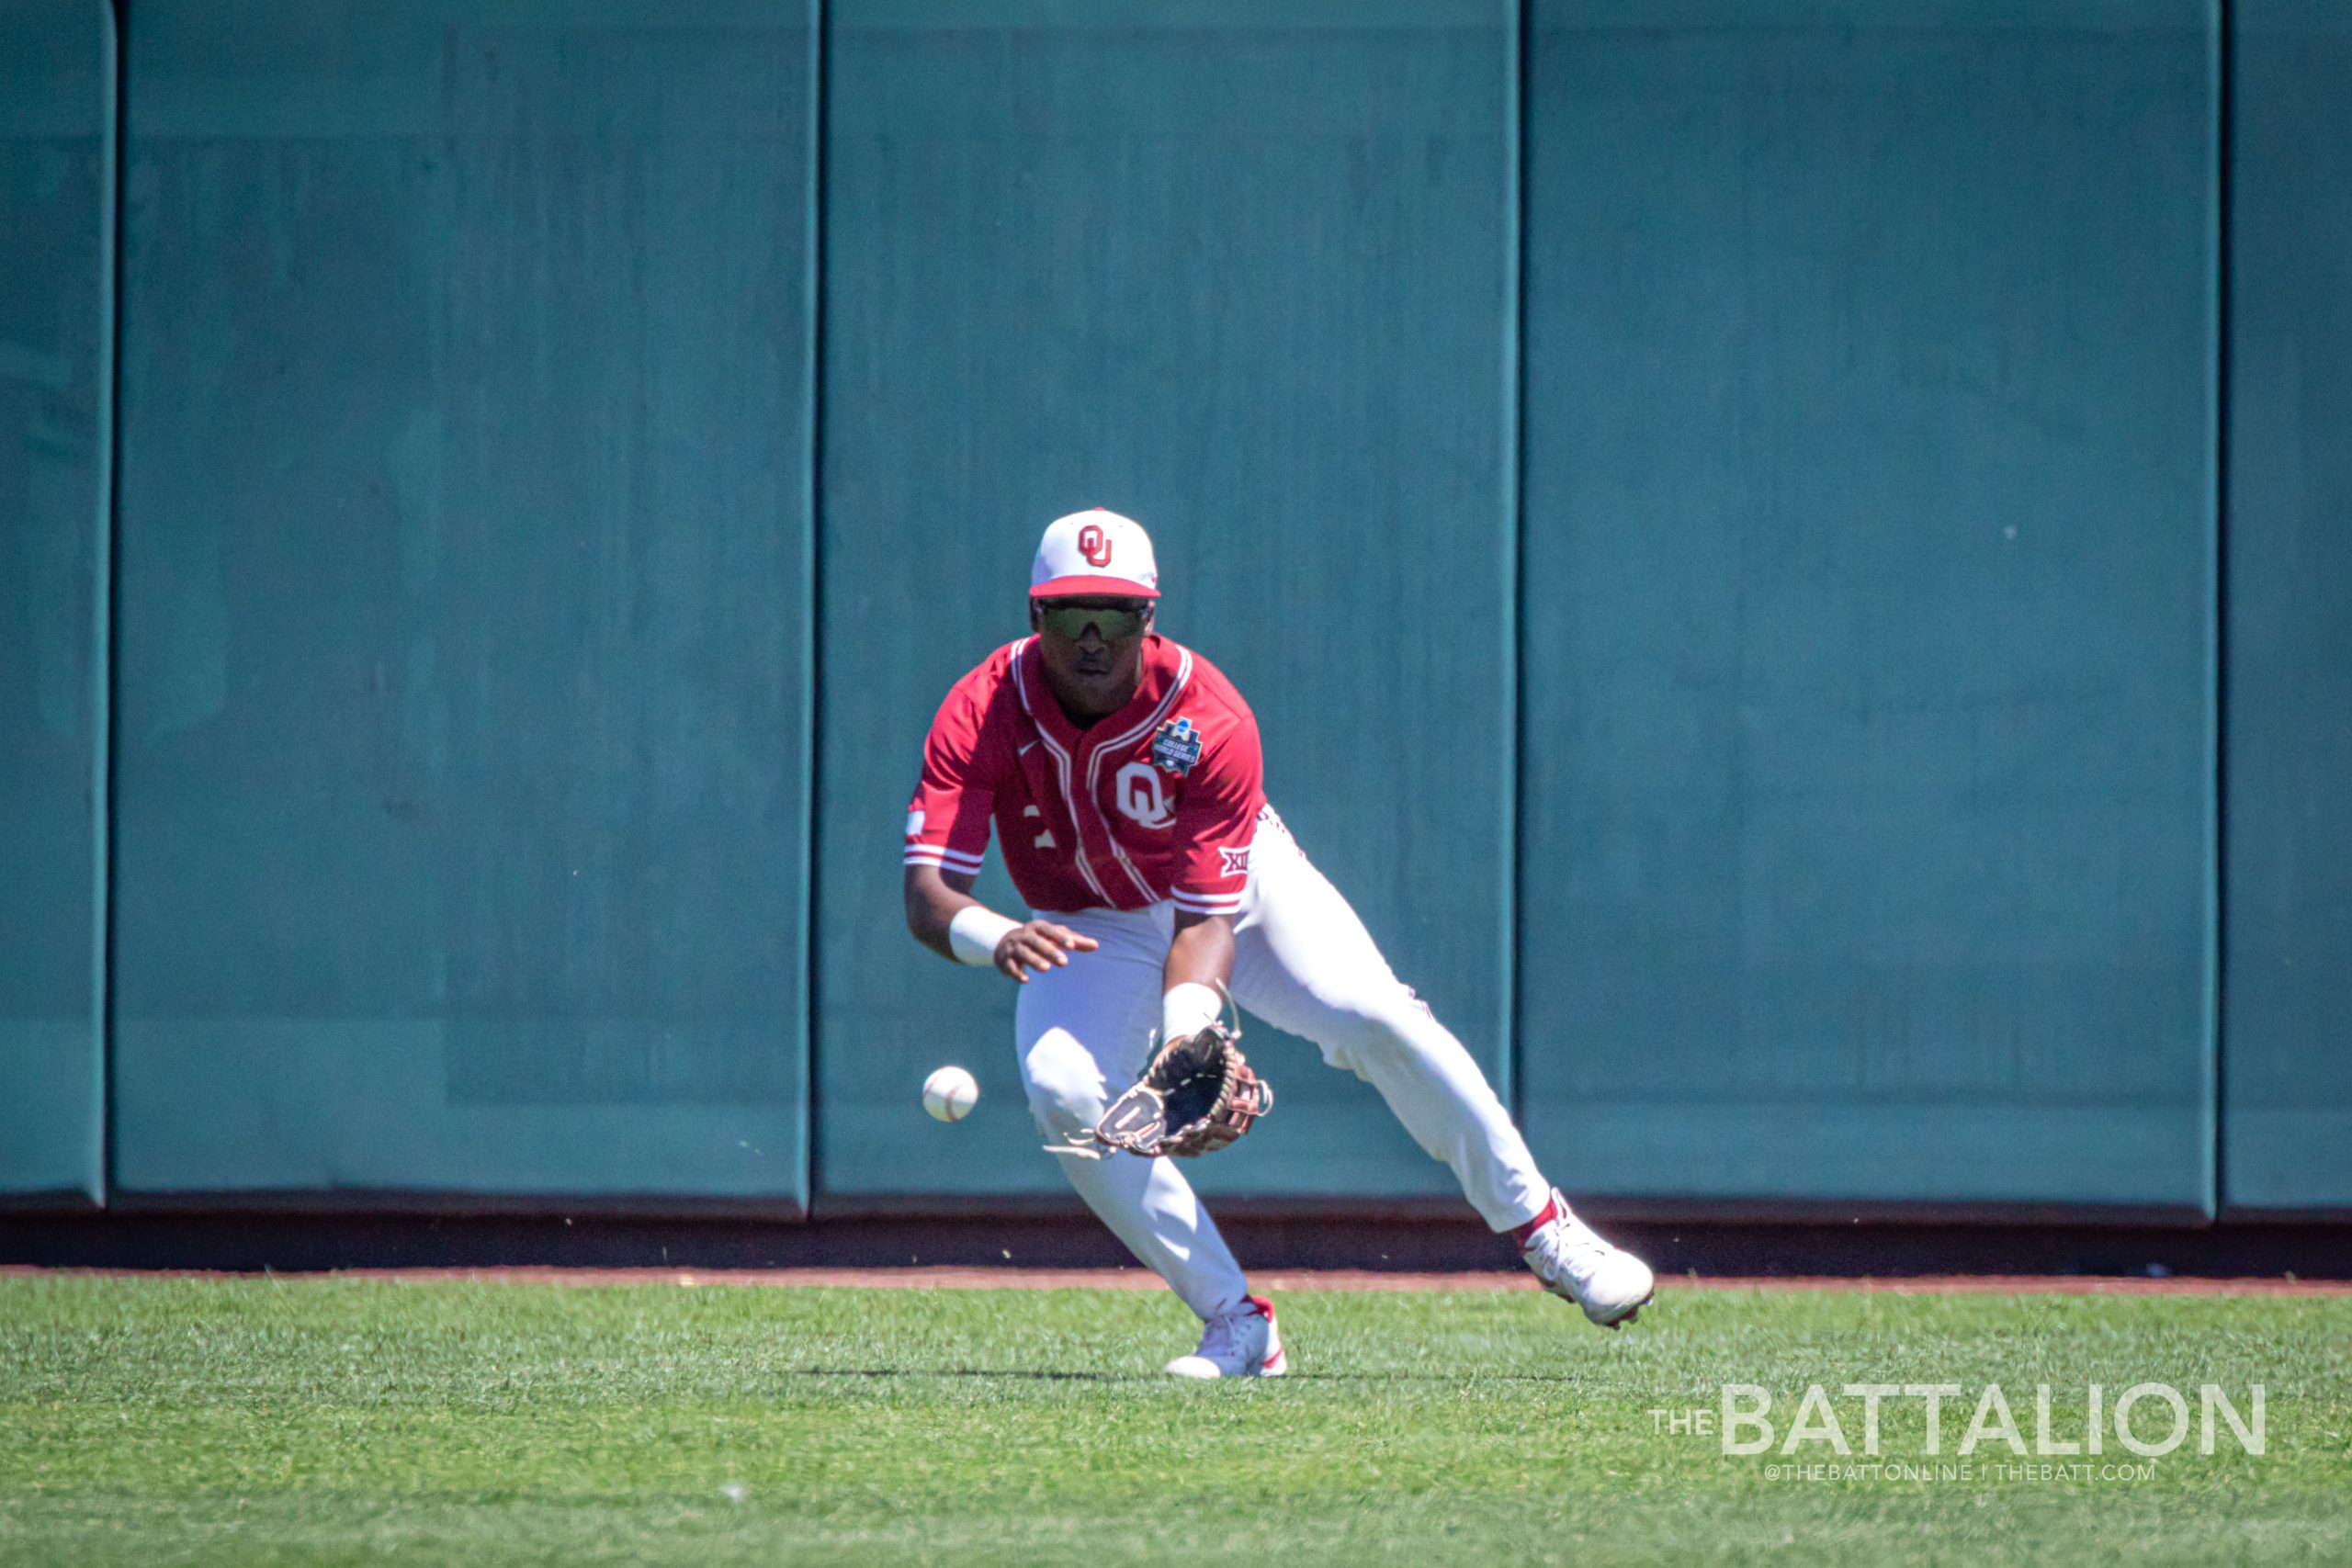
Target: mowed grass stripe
332,1420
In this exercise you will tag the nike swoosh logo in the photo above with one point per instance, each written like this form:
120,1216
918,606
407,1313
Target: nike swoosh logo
1026,749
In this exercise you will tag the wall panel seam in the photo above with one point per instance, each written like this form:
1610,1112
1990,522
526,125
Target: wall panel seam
105,561
2221,22
812,598
1514,523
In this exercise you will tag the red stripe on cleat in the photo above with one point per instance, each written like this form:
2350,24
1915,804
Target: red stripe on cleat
1524,1234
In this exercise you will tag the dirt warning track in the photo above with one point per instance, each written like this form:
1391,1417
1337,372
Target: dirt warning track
971,1278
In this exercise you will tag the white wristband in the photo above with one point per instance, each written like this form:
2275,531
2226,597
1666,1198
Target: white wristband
973,934
1188,1008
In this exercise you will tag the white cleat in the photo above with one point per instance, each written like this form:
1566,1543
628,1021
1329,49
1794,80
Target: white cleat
1243,1343
1572,1260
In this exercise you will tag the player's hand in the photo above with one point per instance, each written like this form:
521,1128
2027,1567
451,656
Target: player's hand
1040,945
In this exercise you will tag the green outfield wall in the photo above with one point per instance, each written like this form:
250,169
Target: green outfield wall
56,178
463,609
1870,571
1242,272
2287,1017
1794,558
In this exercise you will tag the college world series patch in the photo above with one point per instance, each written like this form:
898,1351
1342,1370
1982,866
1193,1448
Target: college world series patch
1177,747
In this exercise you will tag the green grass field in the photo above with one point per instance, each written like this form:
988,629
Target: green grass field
155,1422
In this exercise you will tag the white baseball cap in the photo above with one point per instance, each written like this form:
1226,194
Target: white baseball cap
1094,552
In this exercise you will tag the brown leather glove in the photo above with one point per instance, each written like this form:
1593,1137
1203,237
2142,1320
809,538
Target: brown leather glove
1197,1095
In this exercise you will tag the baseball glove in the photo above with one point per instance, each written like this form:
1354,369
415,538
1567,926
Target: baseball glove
1197,1096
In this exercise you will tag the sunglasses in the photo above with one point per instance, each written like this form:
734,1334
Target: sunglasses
1072,620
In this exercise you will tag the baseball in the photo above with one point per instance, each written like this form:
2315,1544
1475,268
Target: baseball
949,1094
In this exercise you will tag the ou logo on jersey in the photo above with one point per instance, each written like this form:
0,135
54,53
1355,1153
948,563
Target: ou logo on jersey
1094,544
1142,799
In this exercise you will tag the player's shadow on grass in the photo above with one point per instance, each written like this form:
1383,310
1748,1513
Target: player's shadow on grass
1028,1374
1434,1376
1033,1375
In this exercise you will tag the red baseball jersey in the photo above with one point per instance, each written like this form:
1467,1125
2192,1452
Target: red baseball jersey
1161,800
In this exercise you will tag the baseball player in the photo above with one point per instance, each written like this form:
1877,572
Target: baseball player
1121,774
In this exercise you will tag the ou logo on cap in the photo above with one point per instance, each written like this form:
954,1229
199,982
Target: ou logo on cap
1142,799
1076,554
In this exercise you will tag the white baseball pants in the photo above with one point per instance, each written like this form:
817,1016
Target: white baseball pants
1304,963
